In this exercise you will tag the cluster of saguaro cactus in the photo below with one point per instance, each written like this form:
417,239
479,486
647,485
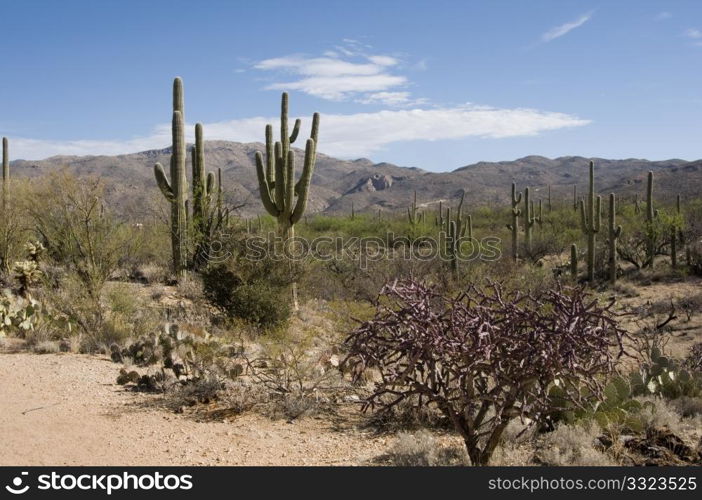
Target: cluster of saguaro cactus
205,219
175,191
590,222
614,233
276,177
514,226
5,172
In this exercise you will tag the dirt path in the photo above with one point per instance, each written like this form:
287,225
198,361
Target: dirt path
65,409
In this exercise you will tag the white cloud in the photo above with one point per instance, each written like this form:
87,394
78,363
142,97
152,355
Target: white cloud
383,60
391,99
337,88
695,34
345,73
662,16
347,136
563,29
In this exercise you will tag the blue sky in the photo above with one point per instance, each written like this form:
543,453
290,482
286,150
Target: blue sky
437,84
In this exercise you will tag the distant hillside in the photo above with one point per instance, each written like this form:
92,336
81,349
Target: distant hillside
372,186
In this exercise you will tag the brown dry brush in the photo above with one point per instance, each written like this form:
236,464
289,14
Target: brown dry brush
487,356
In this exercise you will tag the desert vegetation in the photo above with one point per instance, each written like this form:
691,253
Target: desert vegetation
521,332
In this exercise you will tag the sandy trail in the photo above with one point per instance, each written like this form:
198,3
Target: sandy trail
65,409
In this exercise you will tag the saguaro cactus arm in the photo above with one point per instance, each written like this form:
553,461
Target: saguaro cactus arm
163,183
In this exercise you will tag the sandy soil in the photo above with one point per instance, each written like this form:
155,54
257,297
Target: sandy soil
65,409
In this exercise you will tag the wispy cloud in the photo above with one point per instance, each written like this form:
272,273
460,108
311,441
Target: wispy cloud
346,136
348,72
662,16
695,35
566,28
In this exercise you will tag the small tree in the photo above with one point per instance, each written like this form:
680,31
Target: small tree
486,356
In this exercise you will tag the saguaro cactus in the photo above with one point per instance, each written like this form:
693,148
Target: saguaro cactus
676,234
590,222
575,198
276,178
614,233
203,184
205,220
574,262
5,172
176,190
549,206
529,220
514,227
439,220
651,215
412,212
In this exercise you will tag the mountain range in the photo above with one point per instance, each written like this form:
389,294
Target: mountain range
339,184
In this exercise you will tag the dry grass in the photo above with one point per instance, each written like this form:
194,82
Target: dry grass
572,445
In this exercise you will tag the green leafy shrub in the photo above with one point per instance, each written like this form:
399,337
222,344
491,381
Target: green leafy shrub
260,301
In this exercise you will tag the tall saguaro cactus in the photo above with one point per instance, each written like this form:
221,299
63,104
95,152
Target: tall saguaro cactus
514,227
590,222
412,212
205,218
176,191
529,220
614,233
276,177
5,172
203,183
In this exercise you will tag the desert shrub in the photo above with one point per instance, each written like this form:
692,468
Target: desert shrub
693,361
485,357
300,375
637,234
573,445
259,301
657,412
422,449
688,407
255,290
79,231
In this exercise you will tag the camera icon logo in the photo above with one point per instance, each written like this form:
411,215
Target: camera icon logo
16,488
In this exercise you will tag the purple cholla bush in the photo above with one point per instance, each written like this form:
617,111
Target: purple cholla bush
487,356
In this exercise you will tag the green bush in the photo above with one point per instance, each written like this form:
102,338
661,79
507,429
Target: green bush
257,292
